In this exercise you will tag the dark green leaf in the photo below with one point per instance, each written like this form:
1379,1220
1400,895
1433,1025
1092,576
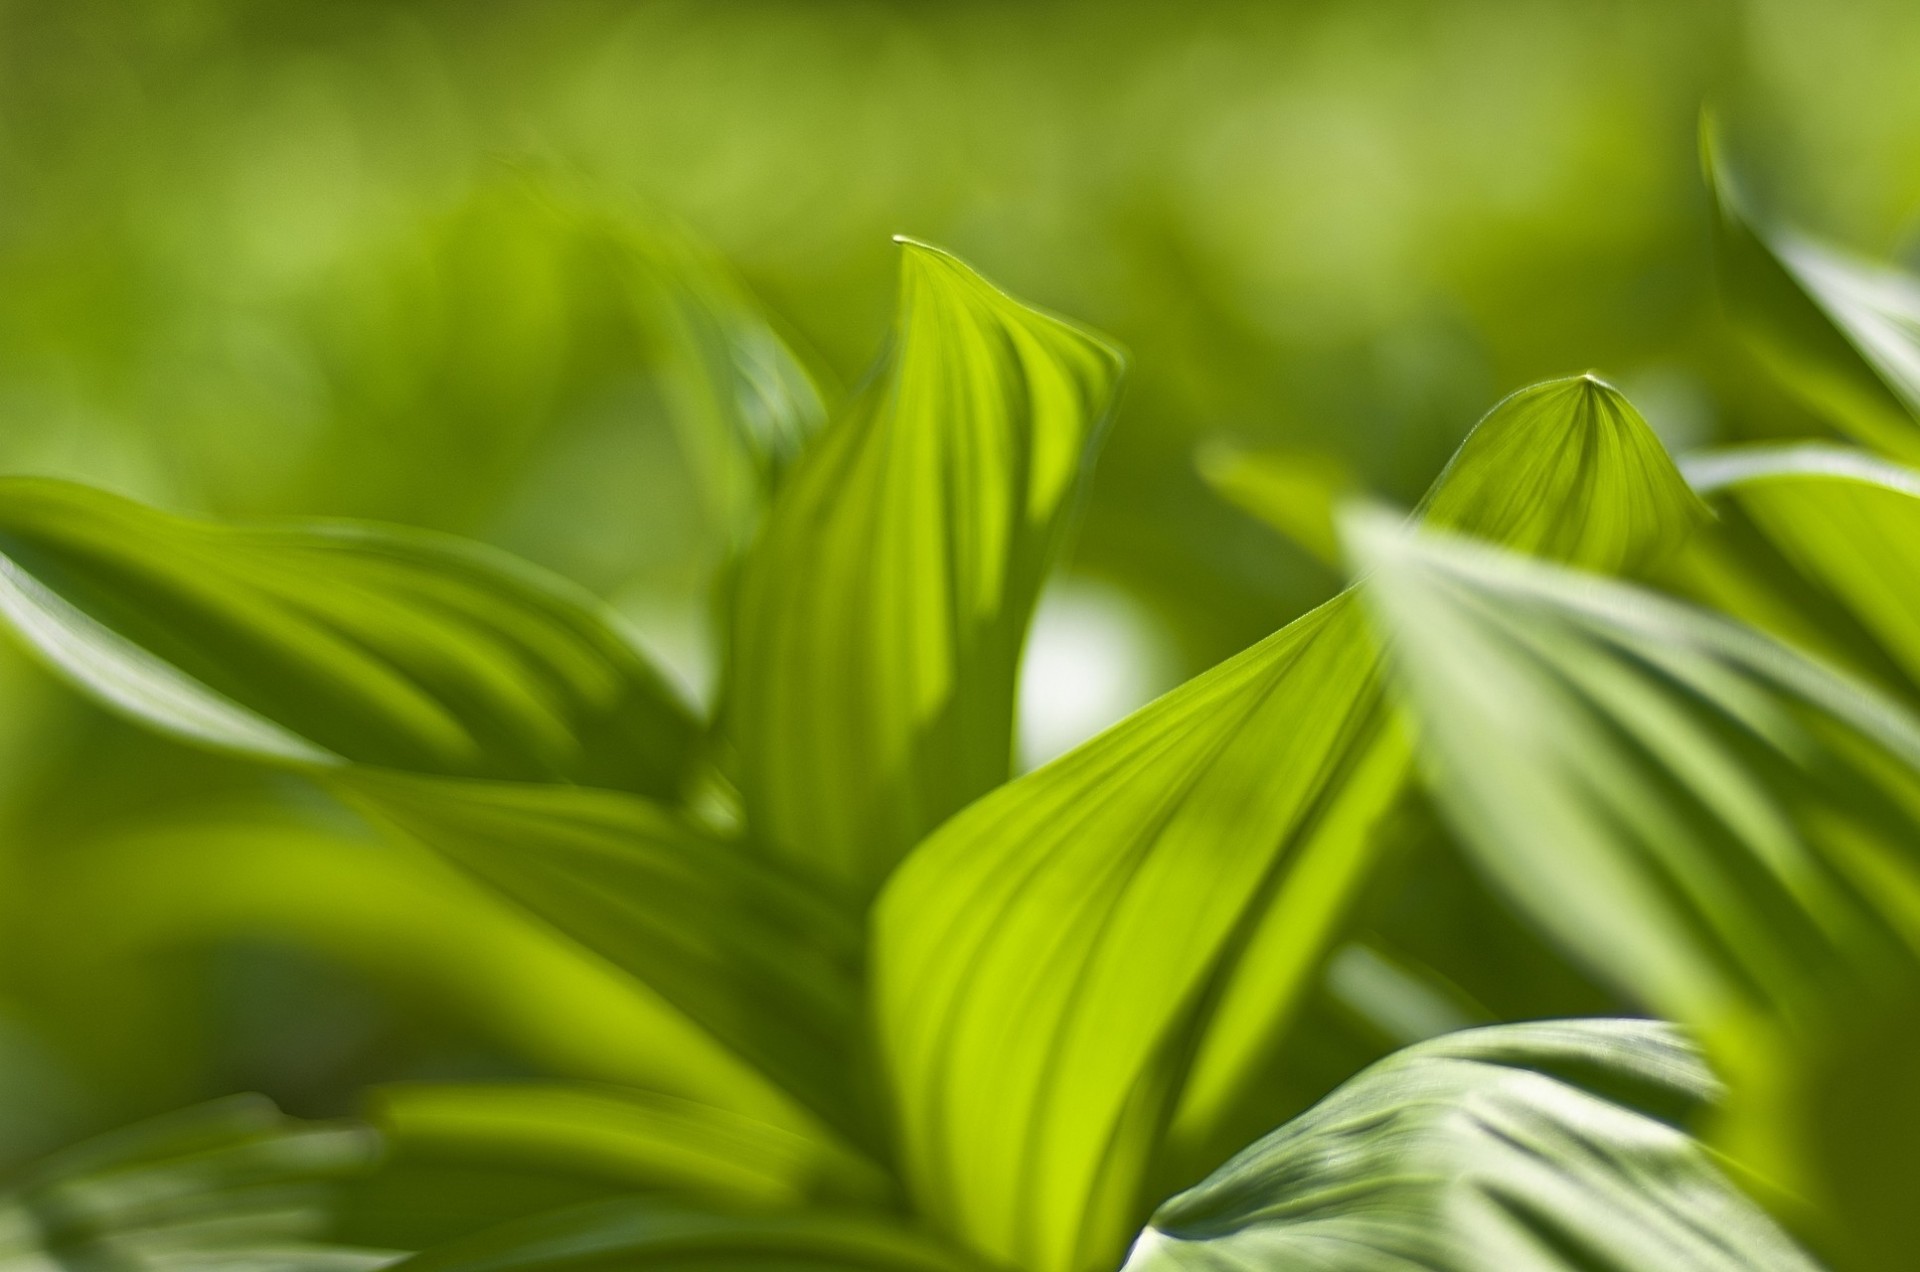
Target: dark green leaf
631,1138
880,616
762,960
665,1235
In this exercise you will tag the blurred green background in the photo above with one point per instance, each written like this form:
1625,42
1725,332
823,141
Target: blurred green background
378,259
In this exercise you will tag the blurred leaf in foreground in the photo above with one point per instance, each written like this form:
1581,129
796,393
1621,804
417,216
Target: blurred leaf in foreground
1728,830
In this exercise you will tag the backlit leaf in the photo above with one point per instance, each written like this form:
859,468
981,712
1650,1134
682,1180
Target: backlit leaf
880,616
1122,937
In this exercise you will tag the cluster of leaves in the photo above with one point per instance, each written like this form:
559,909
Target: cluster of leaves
967,1019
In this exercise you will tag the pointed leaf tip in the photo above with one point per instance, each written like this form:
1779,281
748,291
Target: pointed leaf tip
1568,470
880,615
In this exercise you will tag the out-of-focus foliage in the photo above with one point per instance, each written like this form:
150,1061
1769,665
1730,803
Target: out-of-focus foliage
597,285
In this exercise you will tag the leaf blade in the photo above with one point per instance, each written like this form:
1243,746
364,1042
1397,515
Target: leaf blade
1153,905
879,618
763,960
1719,825
326,642
1535,1148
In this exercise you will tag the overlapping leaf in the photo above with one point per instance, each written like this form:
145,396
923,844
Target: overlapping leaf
1727,829
760,958
1121,937
880,616
629,1138
639,1234
1842,334
1528,1148
325,642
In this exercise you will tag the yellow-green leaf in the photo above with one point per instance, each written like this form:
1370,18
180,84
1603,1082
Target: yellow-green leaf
1121,938
879,618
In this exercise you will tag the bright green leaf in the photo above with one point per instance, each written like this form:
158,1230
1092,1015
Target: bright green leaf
879,619
1123,936
1567,470
761,959
321,642
1527,1148
1725,828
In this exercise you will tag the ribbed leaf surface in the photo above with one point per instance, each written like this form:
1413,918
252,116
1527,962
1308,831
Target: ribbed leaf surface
1122,937
761,959
321,642
1527,1148
1727,829
880,616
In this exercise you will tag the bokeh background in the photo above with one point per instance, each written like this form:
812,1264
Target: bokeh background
417,261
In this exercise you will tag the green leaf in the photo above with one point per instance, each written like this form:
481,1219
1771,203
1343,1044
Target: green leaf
228,1184
1123,936
631,1234
1725,828
763,960
1841,334
317,643
1528,1148
880,616
1846,521
624,1136
1567,470
1041,960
